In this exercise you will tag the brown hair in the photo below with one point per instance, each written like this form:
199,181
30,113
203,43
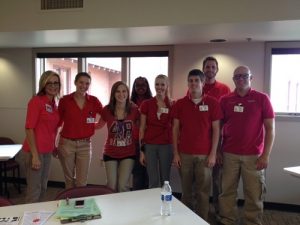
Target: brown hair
112,100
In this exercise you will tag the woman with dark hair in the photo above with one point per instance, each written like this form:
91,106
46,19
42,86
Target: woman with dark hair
140,92
156,134
121,116
41,127
78,112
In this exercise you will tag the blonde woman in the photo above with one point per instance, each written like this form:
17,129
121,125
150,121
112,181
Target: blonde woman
156,134
41,127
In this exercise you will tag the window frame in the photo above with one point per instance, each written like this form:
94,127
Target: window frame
281,116
123,51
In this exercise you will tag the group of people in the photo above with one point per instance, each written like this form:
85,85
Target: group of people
214,136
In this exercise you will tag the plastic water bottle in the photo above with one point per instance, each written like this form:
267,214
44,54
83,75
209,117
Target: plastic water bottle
166,199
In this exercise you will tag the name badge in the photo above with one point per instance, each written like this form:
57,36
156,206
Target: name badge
238,108
121,143
164,110
203,108
90,120
49,108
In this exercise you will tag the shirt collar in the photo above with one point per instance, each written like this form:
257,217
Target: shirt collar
247,94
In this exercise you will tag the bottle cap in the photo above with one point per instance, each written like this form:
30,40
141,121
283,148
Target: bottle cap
166,182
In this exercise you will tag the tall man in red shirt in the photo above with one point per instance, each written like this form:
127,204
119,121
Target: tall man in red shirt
213,87
216,89
196,129
248,136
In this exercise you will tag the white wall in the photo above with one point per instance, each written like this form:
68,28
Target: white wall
135,13
16,89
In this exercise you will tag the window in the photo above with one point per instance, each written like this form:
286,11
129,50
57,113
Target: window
148,67
105,68
284,70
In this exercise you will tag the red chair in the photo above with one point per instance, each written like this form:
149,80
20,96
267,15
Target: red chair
4,202
10,165
86,191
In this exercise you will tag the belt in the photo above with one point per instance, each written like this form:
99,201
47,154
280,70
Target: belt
79,139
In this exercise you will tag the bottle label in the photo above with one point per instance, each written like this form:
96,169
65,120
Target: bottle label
166,198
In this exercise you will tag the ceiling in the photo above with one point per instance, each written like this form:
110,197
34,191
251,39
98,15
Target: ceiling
158,35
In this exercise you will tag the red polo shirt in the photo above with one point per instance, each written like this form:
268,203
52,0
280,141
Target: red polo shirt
216,89
158,130
120,142
43,118
78,123
243,132
195,134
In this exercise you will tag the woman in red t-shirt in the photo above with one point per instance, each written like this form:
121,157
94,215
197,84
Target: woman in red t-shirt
121,116
41,128
155,134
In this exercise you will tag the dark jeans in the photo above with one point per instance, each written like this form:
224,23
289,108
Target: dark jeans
139,172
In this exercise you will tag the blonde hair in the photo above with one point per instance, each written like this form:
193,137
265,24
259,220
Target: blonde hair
165,77
44,79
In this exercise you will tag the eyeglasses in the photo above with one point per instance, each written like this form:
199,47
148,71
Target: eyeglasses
54,84
244,76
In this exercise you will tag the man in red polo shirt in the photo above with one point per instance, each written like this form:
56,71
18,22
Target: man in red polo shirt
215,89
248,135
196,132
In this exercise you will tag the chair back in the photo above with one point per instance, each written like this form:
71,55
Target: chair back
78,192
6,141
4,202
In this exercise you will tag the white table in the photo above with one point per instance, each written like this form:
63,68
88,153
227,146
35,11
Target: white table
130,208
294,171
9,151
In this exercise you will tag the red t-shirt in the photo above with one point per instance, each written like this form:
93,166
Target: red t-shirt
158,130
120,142
78,123
43,118
216,89
195,126
243,129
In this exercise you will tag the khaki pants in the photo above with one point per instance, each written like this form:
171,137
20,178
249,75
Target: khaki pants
196,183
75,158
37,180
118,174
234,167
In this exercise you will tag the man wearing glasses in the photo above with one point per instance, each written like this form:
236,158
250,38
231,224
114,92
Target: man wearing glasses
248,136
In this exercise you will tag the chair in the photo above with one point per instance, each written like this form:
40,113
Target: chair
10,165
4,202
78,192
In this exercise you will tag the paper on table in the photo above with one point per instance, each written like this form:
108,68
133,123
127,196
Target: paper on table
36,218
10,220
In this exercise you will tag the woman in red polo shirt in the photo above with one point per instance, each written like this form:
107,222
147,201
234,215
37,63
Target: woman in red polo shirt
121,117
78,112
156,134
41,127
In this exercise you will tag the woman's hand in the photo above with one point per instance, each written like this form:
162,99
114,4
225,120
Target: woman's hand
142,158
35,163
